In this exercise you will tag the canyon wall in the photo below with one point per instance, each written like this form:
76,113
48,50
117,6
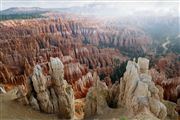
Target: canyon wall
79,44
31,42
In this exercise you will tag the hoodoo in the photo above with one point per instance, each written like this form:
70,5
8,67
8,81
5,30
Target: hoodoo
90,61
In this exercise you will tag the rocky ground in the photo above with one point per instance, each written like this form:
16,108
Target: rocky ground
11,109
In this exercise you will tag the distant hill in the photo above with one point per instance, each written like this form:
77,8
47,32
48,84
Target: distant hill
22,13
22,10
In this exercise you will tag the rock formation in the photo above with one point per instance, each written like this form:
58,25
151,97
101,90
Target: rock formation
137,91
64,92
2,90
96,99
167,74
51,94
31,42
26,48
39,85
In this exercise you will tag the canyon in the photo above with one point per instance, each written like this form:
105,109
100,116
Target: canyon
38,40
76,67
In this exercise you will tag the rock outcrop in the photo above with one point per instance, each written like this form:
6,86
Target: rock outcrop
63,91
39,85
2,90
138,93
96,99
51,93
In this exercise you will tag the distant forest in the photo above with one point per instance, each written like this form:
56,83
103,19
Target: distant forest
20,16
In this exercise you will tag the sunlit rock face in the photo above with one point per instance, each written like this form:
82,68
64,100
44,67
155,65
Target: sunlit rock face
63,91
96,101
39,85
137,91
51,94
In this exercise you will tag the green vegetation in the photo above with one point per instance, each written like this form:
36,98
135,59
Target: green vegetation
123,118
175,46
20,16
132,52
86,41
118,72
102,76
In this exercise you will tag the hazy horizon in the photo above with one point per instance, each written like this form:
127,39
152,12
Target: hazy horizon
155,7
5,4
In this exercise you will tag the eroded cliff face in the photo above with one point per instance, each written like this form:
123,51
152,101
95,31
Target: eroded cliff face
92,31
31,42
78,43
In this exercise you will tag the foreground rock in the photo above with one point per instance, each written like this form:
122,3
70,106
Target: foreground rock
2,90
51,94
39,85
64,92
96,99
137,91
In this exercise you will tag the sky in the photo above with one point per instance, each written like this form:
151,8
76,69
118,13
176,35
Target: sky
5,4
